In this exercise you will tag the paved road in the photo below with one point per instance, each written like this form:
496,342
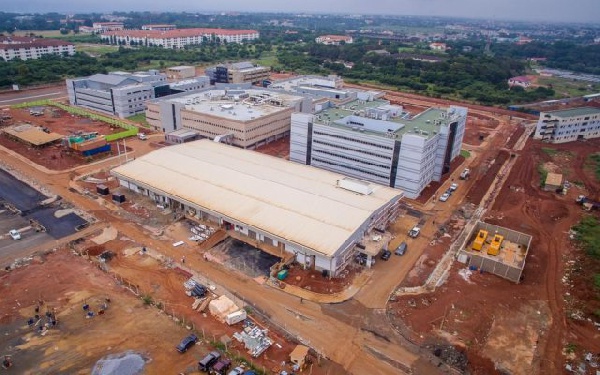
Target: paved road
8,98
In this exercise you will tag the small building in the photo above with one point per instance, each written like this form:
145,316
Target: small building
436,46
506,261
182,136
521,81
553,182
298,356
334,40
181,72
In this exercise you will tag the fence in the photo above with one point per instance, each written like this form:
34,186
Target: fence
130,130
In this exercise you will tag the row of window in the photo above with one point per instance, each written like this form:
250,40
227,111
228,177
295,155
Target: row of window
350,167
362,151
360,161
385,147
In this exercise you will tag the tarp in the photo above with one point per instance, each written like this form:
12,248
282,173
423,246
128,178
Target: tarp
221,307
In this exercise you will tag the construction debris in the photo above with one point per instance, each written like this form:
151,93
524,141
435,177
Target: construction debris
254,339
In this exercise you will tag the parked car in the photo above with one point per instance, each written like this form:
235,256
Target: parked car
221,367
454,186
210,359
465,174
386,254
249,372
15,234
142,136
444,197
236,371
187,343
414,232
401,249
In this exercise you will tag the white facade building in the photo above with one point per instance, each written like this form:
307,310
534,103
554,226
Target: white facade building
26,48
568,125
318,217
102,27
375,141
334,40
248,117
178,38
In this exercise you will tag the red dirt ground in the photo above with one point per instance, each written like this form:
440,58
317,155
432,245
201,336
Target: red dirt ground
465,310
56,157
315,282
486,174
165,285
279,148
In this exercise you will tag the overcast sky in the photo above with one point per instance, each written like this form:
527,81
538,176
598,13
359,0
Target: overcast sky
535,10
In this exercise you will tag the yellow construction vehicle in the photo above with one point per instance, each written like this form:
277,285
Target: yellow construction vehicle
480,239
494,248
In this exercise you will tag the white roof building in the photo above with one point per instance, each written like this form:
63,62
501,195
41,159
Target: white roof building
316,214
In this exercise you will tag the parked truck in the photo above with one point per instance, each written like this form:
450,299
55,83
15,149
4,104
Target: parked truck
587,203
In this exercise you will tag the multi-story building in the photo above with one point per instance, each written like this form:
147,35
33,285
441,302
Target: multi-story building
181,72
117,93
375,141
246,118
334,40
124,94
26,48
241,72
102,27
568,125
179,38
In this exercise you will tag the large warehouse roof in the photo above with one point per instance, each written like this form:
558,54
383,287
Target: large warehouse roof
299,203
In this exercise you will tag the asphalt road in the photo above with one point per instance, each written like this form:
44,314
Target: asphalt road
8,98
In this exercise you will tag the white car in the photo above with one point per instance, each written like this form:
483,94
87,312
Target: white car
454,186
414,233
444,197
15,234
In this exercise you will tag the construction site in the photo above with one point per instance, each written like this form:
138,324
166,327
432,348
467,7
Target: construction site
505,300
56,139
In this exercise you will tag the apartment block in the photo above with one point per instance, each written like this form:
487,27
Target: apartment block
26,48
568,125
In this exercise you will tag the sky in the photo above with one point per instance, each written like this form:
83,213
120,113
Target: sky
529,10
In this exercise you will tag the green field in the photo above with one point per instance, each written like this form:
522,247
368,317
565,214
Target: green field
95,49
267,59
44,33
568,88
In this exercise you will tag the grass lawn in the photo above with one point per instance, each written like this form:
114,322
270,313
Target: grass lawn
267,59
566,87
95,49
44,33
140,118
465,154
